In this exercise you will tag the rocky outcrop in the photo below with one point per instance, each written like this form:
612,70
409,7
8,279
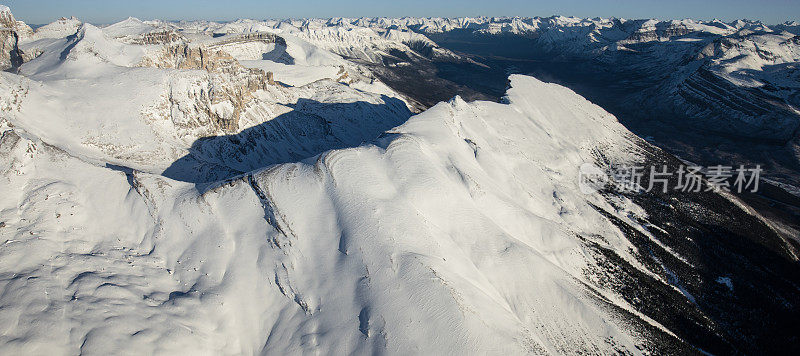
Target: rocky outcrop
10,54
8,21
11,32
250,37
230,85
717,105
656,34
158,38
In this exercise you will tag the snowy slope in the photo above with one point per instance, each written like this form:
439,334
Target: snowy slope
369,248
350,39
147,118
210,188
60,28
753,59
353,247
736,79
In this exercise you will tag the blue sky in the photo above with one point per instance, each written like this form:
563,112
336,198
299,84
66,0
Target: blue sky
107,11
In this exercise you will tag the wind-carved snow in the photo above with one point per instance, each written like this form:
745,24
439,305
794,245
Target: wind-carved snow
148,118
163,193
251,188
460,230
466,220
755,59
696,54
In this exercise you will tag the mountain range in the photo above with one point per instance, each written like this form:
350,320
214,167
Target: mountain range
394,186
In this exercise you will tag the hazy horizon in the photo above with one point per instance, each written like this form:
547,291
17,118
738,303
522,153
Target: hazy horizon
45,11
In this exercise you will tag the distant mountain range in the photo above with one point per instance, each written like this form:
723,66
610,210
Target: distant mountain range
395,186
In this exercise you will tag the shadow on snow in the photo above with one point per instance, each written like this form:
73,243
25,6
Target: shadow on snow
310,128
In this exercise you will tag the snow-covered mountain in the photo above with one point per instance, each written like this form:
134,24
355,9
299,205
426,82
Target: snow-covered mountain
711,91
742,53
578,35
736,78
254,187
11,33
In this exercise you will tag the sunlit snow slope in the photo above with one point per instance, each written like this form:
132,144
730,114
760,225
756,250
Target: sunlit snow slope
460,230
174,191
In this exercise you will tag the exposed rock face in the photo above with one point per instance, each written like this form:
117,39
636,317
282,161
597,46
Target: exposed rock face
230,85
11,31
746,112
663,33
7,20
10,55
250,37
278,54
160,37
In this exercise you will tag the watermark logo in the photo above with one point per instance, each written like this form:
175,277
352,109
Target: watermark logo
591,178
633,179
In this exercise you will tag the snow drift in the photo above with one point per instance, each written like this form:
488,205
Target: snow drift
160,196
459,230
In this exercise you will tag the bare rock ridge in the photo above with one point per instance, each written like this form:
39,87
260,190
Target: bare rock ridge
159,38
256,187
11,32
10,55
236,82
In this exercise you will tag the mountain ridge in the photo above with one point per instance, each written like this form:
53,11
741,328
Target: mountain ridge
166,195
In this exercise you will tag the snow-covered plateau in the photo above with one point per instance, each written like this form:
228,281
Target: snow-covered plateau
254,187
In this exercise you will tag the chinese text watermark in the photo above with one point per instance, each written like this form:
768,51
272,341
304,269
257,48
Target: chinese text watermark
629,178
